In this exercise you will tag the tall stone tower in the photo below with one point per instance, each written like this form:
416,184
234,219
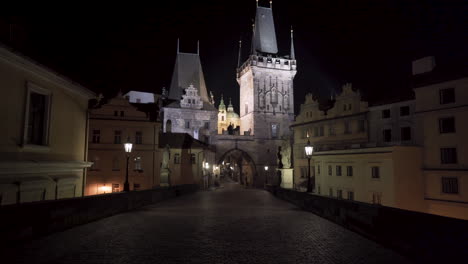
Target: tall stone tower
266,82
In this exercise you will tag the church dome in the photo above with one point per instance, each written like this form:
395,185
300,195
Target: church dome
232,115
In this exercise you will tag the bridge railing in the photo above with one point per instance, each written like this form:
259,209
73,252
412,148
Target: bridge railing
425,238
23,221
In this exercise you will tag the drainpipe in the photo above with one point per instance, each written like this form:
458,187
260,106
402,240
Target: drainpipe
85,154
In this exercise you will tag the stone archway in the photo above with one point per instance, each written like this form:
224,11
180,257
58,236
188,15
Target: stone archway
239,166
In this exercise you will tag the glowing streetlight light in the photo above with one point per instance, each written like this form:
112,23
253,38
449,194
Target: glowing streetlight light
308,151
128,149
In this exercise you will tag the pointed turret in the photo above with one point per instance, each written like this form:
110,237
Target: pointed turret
222,106
292,55
264,31
230,107
239,56
187,71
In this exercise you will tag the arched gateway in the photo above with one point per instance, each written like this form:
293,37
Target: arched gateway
239,166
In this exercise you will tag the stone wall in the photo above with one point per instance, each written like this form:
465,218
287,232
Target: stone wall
23,221
422,237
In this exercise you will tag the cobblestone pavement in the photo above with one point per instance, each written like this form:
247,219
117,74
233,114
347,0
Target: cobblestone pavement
227,225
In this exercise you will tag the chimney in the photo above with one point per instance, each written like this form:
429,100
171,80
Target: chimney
423,65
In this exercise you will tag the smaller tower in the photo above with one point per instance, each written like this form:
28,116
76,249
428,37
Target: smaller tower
222,121
292,54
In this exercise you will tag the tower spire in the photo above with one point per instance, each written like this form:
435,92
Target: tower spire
293,55
240,52
253,51
198,47
177,45
271,4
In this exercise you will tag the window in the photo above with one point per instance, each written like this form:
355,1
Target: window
303,172
447,125
177,158
339,194
307,114
351,195
330,170
404,111
222,118
349,107
138,164
138,100
375,172
331,130
362,125
338,170
386,113
268,107
136,186
115,164
330,192
347,128
246,109
187,124
207,125
447,96
318,169
344,107
448,155
116,113
115,187
316,131
321,131
387,135
138,137
121,113
37,116
450,185
274,130
349,171
192,158
376,198
405,133
96,136
117,137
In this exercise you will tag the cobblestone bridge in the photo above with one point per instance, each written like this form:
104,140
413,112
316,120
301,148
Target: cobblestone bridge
227,225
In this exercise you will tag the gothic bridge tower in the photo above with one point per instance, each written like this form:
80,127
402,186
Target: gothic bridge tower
266,82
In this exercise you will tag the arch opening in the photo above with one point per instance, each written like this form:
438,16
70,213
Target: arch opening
237,165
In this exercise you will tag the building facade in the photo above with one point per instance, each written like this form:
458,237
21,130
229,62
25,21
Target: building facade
44,136
111,125
441,107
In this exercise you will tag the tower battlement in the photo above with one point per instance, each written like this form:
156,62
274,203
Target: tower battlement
267,62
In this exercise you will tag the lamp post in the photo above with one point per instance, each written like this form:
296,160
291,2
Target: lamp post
266,175
128,149
308,151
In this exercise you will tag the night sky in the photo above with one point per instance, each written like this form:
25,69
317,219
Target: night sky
369,43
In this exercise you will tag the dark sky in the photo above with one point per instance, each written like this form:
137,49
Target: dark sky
369,43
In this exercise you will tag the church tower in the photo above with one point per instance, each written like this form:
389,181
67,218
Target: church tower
266,82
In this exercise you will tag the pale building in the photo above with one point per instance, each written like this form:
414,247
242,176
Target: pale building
191,111
345,164
227,117
392,124
110,126
43,140
441,109
142,97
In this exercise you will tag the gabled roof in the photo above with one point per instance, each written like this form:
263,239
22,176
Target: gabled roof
187,70
265,35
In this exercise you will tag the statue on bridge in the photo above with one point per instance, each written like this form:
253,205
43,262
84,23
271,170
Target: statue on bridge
286,154
165,172
280,158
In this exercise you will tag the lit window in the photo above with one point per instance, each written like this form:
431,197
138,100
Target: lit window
115,187
138,164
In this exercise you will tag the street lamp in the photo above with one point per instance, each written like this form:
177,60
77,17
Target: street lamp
128,149
266,175
308,151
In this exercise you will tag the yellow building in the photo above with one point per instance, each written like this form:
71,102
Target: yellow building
345,164
110,126
43,135
227,117
441,109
